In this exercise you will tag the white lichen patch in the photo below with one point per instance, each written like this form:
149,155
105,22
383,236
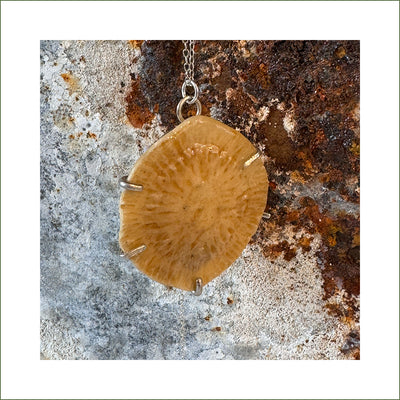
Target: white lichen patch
279,105
289,123
58,342
262,113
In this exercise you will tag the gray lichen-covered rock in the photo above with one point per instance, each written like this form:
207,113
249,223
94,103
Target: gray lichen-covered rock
281,299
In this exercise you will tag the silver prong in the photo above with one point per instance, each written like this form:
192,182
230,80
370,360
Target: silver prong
123,182
251,159
266,215
199,287
134,252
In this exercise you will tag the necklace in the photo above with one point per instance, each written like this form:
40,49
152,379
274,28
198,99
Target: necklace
192,202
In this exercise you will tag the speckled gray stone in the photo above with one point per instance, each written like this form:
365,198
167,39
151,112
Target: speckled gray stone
95,305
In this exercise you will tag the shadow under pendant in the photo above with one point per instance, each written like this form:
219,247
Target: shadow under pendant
196,198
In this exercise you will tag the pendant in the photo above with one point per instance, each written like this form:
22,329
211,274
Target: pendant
191,203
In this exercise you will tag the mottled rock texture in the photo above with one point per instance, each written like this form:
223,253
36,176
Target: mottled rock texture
294,292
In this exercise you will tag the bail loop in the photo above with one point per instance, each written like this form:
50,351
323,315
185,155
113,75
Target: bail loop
187,99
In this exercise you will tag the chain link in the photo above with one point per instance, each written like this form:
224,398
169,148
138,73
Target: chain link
188,54
188,67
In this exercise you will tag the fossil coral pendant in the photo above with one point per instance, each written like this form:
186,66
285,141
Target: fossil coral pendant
192,203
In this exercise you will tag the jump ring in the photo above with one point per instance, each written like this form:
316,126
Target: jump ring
189,82
182,102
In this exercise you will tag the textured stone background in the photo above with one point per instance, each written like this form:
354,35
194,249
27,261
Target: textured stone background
294,292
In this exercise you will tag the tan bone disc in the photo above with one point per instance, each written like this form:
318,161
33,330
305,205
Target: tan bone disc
200,204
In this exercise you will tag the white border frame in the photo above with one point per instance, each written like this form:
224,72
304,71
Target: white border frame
24,24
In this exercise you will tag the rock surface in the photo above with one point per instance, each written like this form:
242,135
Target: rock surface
294,292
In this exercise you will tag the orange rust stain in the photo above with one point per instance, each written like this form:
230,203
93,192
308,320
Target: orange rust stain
305,243
292,216
137,109
355,149
331,241
91,135
71,81
71,136
348,320
334,309
217,329
323,224
276,249
356,240
296,177
136,44
308,168
340,52
229,300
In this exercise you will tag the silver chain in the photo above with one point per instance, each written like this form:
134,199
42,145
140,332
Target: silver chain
188,66
188,54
